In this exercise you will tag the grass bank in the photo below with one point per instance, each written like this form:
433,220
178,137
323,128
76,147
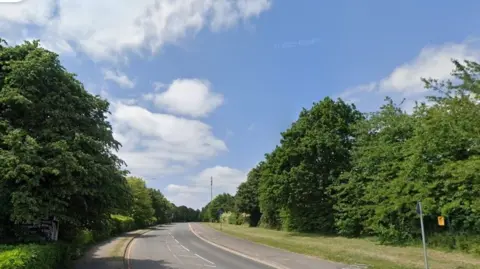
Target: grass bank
352,251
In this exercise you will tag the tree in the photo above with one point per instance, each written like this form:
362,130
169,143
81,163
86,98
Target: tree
313,153
160,205
56,146
246,198
377,158
223,201
142,210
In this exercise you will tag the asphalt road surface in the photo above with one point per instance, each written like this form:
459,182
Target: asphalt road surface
175,246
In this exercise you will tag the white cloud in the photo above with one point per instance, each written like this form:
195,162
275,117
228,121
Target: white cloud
405,80
196,193
105,30
189,97
434,62
119,78
157,144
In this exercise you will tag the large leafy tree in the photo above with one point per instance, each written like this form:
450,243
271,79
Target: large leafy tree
246,198
376,159
142,210
431,156
56,146
223,201
161,206
313,153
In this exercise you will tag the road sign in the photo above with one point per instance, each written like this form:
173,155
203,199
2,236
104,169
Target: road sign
441,221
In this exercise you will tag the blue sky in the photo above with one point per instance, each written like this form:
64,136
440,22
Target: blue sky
203,88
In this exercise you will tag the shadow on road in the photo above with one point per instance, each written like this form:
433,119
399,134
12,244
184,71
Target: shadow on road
147,236
151,264
119,263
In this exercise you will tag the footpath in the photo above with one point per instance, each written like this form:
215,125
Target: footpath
108,254
276,258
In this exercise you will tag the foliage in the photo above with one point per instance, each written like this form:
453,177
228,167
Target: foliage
56,146
224,201
58,159
246,198
142,210
185,214
302,170
32,256
122,224
161,206
338,171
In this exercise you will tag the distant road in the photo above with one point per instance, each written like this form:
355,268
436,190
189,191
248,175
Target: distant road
175,246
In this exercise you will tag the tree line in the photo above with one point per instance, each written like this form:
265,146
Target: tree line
339,171
58,155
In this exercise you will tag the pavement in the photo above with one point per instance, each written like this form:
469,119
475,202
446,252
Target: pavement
192,246
108,254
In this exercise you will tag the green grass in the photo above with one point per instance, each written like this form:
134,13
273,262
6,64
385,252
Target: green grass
352,251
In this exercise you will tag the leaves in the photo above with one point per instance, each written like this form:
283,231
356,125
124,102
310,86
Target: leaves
337,171
57,151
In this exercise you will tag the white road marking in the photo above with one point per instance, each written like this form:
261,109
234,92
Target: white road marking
204,259
186,256
185,248
176,240
175,256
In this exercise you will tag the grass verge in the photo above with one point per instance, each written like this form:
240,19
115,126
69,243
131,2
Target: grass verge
352,251
118,250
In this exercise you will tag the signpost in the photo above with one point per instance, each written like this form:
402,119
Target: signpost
420,212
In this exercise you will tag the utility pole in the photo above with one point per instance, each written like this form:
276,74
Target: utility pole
211,195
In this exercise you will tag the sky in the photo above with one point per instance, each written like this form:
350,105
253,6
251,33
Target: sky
203,88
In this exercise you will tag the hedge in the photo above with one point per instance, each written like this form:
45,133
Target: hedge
58,255
122,224
33,256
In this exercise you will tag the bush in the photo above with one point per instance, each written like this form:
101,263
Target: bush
464,243
224,217
32,256
242,219
232,218
83,238
122,224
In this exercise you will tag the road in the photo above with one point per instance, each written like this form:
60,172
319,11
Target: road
176,247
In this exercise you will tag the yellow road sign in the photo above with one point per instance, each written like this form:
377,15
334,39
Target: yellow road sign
441,221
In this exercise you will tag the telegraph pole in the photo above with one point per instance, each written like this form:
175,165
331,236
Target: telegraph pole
211,194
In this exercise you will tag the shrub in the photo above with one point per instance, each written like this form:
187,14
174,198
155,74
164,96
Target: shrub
224,217
465,243
32,256
232,218
122,224
84,237
242,219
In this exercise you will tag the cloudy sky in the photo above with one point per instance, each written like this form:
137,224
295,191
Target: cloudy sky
203,88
